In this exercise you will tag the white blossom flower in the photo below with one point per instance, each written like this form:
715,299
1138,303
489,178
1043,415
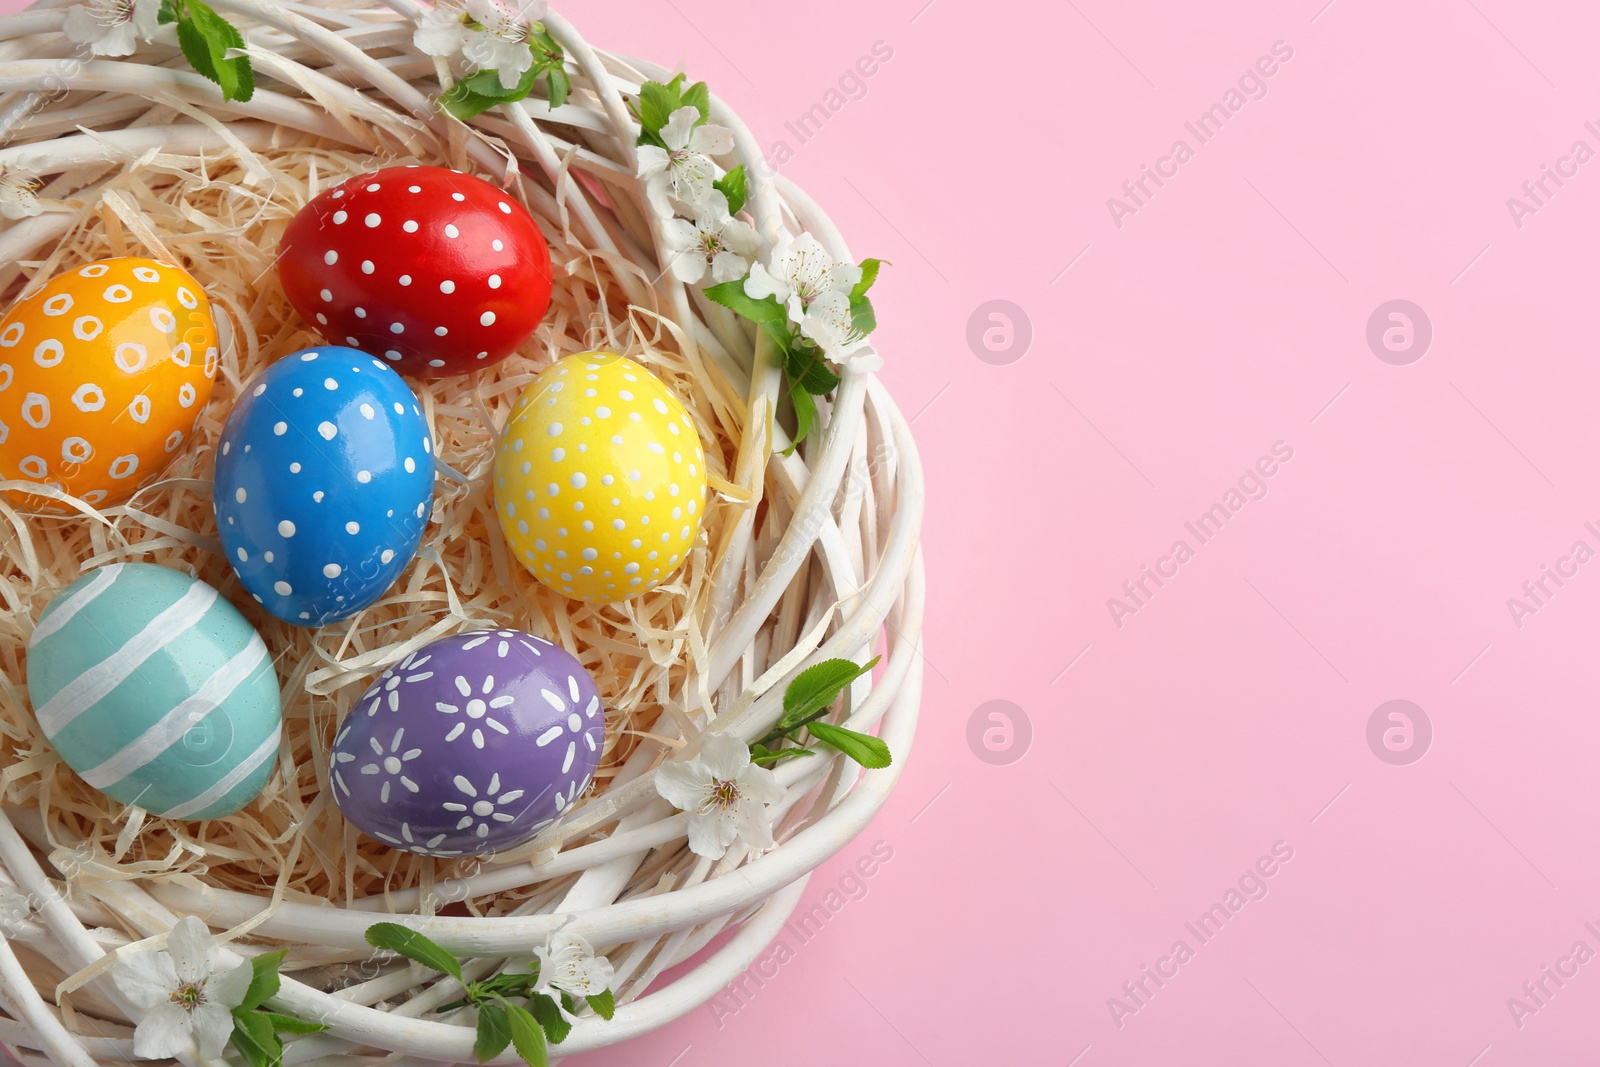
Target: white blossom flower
109,27
683,170
181,994
714,241
724,794
18,193
490,35
568,964
14,909
815,289
831,326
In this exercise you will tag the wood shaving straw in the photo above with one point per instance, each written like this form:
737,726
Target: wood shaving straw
221,217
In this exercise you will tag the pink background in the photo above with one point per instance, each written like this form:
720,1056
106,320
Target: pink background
1229,713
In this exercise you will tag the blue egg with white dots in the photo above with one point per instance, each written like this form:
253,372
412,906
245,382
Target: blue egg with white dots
323,484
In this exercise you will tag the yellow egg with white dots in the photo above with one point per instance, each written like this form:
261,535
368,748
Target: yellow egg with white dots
600,480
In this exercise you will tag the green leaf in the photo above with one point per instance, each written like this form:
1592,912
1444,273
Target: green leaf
818,687
545,48
254,1038
862,317
527,1037
264,981
869,274
170,12
487,83
734,186
557,86
805,414
466,105
767,313
698,96
807,366
762,756
548,60
288,1024
556,1026
604,1004
206,37
494,1031
657,102
502,985
413,946
477,93
865,749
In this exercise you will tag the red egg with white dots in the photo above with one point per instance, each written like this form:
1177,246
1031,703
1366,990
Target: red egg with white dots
436,271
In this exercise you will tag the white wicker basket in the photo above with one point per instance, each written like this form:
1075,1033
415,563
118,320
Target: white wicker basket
826,568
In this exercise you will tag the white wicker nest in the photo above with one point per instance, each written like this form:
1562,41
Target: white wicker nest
827,567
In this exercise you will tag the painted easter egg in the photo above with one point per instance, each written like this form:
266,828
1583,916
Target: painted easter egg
471,745
600,480
156,690
439,272
323,484
102,374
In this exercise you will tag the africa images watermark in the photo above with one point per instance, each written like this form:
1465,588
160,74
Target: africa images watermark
1540,589
1537,992
1537,192
850,887
1251,886
1252,485
1252,85
851,86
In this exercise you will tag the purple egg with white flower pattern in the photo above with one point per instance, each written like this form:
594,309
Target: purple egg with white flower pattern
471,745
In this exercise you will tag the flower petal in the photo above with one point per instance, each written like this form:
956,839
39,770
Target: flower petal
658,190
741,237
724,756
760,785
193,949
80,26
213,1026
690,268
601,973
146,977
229,989
762,284
18,202
679,234
754,826
163,1033
441,31
807,264
711,140
691,178
479,48
512,60
652,160
728,267
705,836
680,128
684,785
146,18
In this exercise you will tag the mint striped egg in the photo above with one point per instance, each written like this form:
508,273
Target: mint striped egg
157,691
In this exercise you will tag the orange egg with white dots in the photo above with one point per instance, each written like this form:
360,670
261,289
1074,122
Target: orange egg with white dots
600,478
103,372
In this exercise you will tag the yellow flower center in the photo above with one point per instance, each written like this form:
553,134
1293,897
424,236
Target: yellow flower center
724,794
190,995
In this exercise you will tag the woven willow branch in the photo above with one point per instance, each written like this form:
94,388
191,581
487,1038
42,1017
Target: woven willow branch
830,567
